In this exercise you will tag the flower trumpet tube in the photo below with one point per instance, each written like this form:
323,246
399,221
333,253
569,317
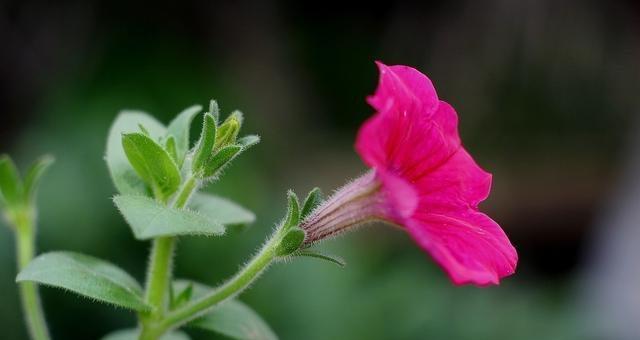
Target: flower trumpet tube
421,179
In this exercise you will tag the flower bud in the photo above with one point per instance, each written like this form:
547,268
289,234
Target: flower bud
228,131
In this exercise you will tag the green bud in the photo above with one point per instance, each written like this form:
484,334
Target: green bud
228,131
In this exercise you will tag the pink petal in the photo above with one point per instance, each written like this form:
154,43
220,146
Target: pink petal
401,197
467,244
404,87
407,136
457,182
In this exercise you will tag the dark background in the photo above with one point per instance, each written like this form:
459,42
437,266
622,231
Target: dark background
546,92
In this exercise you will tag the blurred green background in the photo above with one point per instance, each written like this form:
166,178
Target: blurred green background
546,92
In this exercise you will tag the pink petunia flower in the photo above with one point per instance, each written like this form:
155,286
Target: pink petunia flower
422,180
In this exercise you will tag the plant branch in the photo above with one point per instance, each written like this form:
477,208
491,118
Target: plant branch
25,251
238,283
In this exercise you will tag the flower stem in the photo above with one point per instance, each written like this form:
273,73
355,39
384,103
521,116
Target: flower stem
238,283
25,250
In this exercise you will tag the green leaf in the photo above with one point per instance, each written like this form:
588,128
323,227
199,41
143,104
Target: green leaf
152,163
10,182
134,333
232,318
204,150
314,198
149,219
180,127
221,209
124,177
87,276
290,242
182,297
214,111
293,210
170,147
34,174
249,141
331,258
221,159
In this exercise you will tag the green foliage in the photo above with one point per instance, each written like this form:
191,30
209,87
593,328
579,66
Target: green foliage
314,198
150,219
152,163
171,148
221,209
314,254
232,318
180,297
134,333
293,211
290,242
179,129
219,144
204,149
34,174
10,183
87,276
122,173
248,141
15,194
223,157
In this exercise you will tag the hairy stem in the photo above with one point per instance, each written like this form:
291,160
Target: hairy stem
160,269
241,281
25,251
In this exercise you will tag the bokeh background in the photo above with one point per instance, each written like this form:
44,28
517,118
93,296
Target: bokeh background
548,98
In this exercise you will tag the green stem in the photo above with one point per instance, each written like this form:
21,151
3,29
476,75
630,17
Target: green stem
159,275
160,268
25,249
243,279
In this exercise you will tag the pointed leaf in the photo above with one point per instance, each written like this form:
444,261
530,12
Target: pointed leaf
204,150
249,141
214,111
293,210
331,258
152,163
149,219
124,177
181,297
87,276
170,147
134,333
232,318
221,160
221,209
10,182
314,198
34,174
180,127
